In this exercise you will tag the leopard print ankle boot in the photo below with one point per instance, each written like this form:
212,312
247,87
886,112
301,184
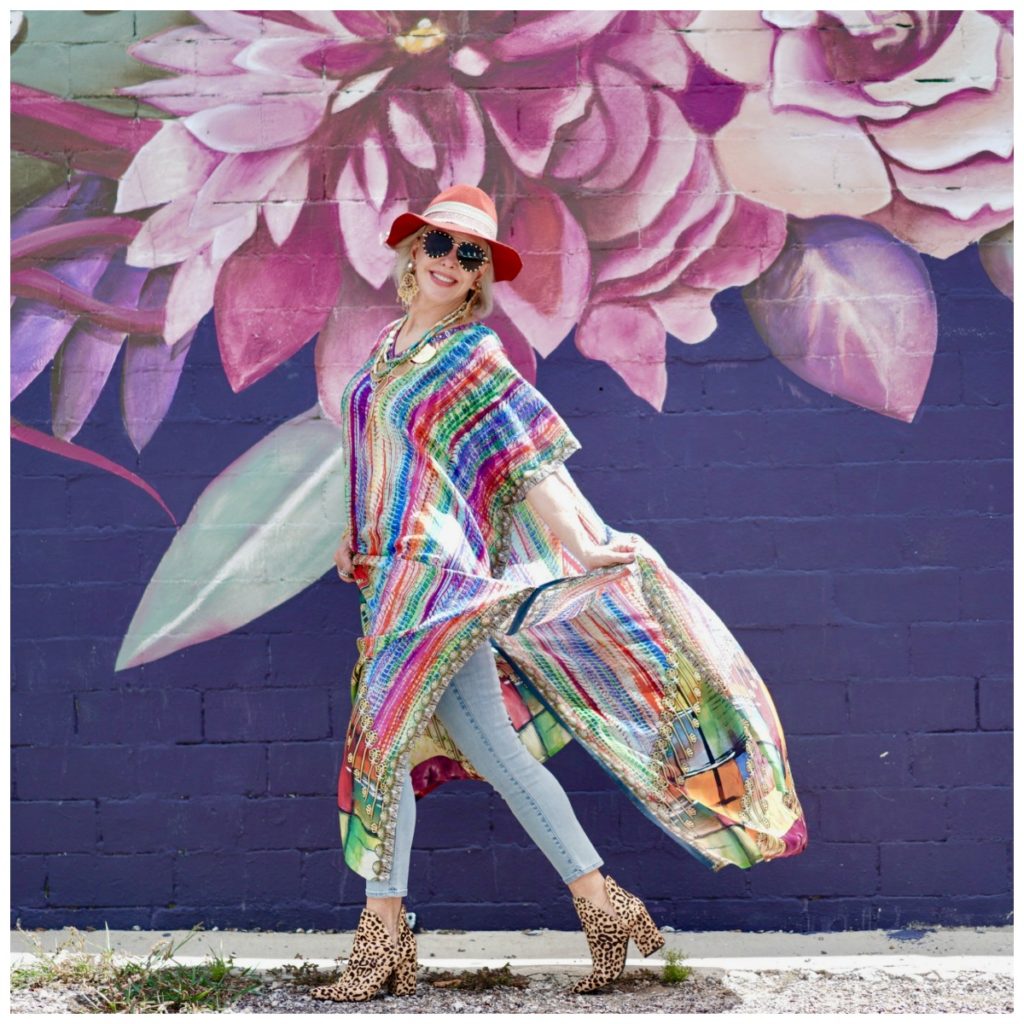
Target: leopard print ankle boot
375,958
608,936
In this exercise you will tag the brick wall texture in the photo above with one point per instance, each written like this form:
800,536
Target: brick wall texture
855,536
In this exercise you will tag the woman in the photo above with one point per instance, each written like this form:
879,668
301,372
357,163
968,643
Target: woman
502,617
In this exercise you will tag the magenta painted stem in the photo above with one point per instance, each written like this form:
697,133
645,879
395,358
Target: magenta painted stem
88,139
38,439
38,284
61,238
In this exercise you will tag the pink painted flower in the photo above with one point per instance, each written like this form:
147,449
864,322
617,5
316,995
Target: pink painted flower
902,118
300,137
665,232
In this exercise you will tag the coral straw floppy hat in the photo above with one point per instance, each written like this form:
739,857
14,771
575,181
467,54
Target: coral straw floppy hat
470,211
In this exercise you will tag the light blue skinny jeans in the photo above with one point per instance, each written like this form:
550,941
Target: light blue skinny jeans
473,713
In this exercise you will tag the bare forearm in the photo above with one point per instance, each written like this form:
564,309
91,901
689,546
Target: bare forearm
551,500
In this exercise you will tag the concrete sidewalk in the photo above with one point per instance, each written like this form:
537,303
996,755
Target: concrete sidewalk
978,949
942,970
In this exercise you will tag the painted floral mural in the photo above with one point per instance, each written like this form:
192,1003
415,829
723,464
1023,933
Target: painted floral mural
643,162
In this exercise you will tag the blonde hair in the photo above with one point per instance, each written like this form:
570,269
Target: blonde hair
485,295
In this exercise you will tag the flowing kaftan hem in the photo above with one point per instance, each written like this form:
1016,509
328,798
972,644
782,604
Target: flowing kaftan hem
751,837
495,618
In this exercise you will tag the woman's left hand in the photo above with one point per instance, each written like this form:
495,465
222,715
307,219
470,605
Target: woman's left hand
599,555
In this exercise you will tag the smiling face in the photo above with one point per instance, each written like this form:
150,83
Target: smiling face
442,279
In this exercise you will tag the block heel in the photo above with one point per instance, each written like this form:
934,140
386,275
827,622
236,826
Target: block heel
402,981
608,936
375,959
645,933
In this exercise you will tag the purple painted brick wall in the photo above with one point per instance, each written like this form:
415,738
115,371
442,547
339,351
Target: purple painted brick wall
864,564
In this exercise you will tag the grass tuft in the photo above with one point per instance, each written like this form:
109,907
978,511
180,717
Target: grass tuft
152,985
673,970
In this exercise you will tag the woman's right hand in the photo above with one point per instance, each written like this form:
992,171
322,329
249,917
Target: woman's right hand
343,558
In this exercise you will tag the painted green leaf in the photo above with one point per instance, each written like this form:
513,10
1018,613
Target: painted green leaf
261,532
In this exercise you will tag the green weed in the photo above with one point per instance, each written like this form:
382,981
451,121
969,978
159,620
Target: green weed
152,985
673,971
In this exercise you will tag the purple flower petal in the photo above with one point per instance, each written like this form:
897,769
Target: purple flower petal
191,48
85,360
191,295
189,94
735,44
232,24
285,200
55,207
955,130
365,176
301,54
242,128
368,25
270,301
544,34
549,294
241,178
744,248
524,118
850,309
171,165
776,157
802,79
652,55
453,121
167,236
631,340
343,61
628,116
412,138
685,312
609,217
688,222
964,57
581,148
38,328
80,370
346,338
37,331
151,368
962,191
934,231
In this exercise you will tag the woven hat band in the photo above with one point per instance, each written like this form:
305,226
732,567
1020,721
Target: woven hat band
475,221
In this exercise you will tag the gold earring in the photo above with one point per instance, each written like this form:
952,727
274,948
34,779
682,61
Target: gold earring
408,288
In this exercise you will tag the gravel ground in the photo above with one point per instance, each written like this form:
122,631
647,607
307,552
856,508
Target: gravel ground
638,991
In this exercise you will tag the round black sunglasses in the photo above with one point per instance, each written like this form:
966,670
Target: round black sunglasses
439,243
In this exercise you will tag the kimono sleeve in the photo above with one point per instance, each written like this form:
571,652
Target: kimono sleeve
517,436
506,438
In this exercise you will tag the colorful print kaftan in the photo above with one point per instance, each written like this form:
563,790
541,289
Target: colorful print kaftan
626,659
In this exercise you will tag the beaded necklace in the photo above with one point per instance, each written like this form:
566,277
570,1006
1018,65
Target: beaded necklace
420,351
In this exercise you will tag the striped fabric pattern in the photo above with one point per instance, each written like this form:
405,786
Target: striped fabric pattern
627,659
